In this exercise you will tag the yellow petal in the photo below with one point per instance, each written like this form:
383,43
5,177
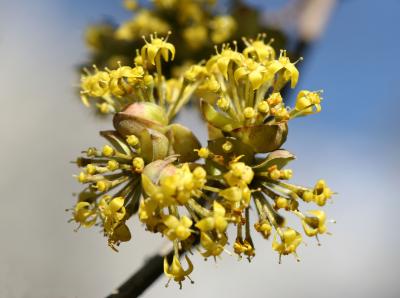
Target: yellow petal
218,209
206,224
186,222
116,204
171,221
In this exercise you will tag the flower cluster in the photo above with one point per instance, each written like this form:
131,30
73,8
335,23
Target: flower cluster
191,194
197,24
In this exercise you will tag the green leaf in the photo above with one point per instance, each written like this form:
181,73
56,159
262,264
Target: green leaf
121,233
262,138
216,118
238,148
117,141
278,157
183,142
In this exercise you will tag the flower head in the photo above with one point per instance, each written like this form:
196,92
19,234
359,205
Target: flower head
175,271
177,228
158,47
188,193
290,240
216,221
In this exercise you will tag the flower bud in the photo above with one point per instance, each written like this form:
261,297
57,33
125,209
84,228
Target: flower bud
138,116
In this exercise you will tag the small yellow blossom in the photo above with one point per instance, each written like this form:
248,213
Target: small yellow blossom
308,102
108,151
122,79
254,72
216,221
175,270
275,99
212,247
147,214
157,47
95,85
222,61
249,112
223,103
261,51
203,152
239,174
84,215
138,164
315,224
177,228
132,140
195,36
263,107
283,63
223,28
291,239
321,193
263,227
112,209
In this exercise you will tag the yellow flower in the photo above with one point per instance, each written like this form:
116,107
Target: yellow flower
321,193
255,72
157,47
138,164
123,78
181,185
316,224
212,247
308,102
244,246
195,36
132,140
143,23
221,61
291,239
216,221
84,215
94,85
157,193
264,228
283,63
195,72
108,151
259,50
238,197
112,211
146,212
239,174
223,27
175,271
177,228
203,152
263,107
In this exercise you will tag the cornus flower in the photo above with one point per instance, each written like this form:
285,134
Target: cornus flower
197,24
113,90
176,272
190,194
157,48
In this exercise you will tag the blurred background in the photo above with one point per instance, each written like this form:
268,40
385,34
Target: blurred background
353,144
